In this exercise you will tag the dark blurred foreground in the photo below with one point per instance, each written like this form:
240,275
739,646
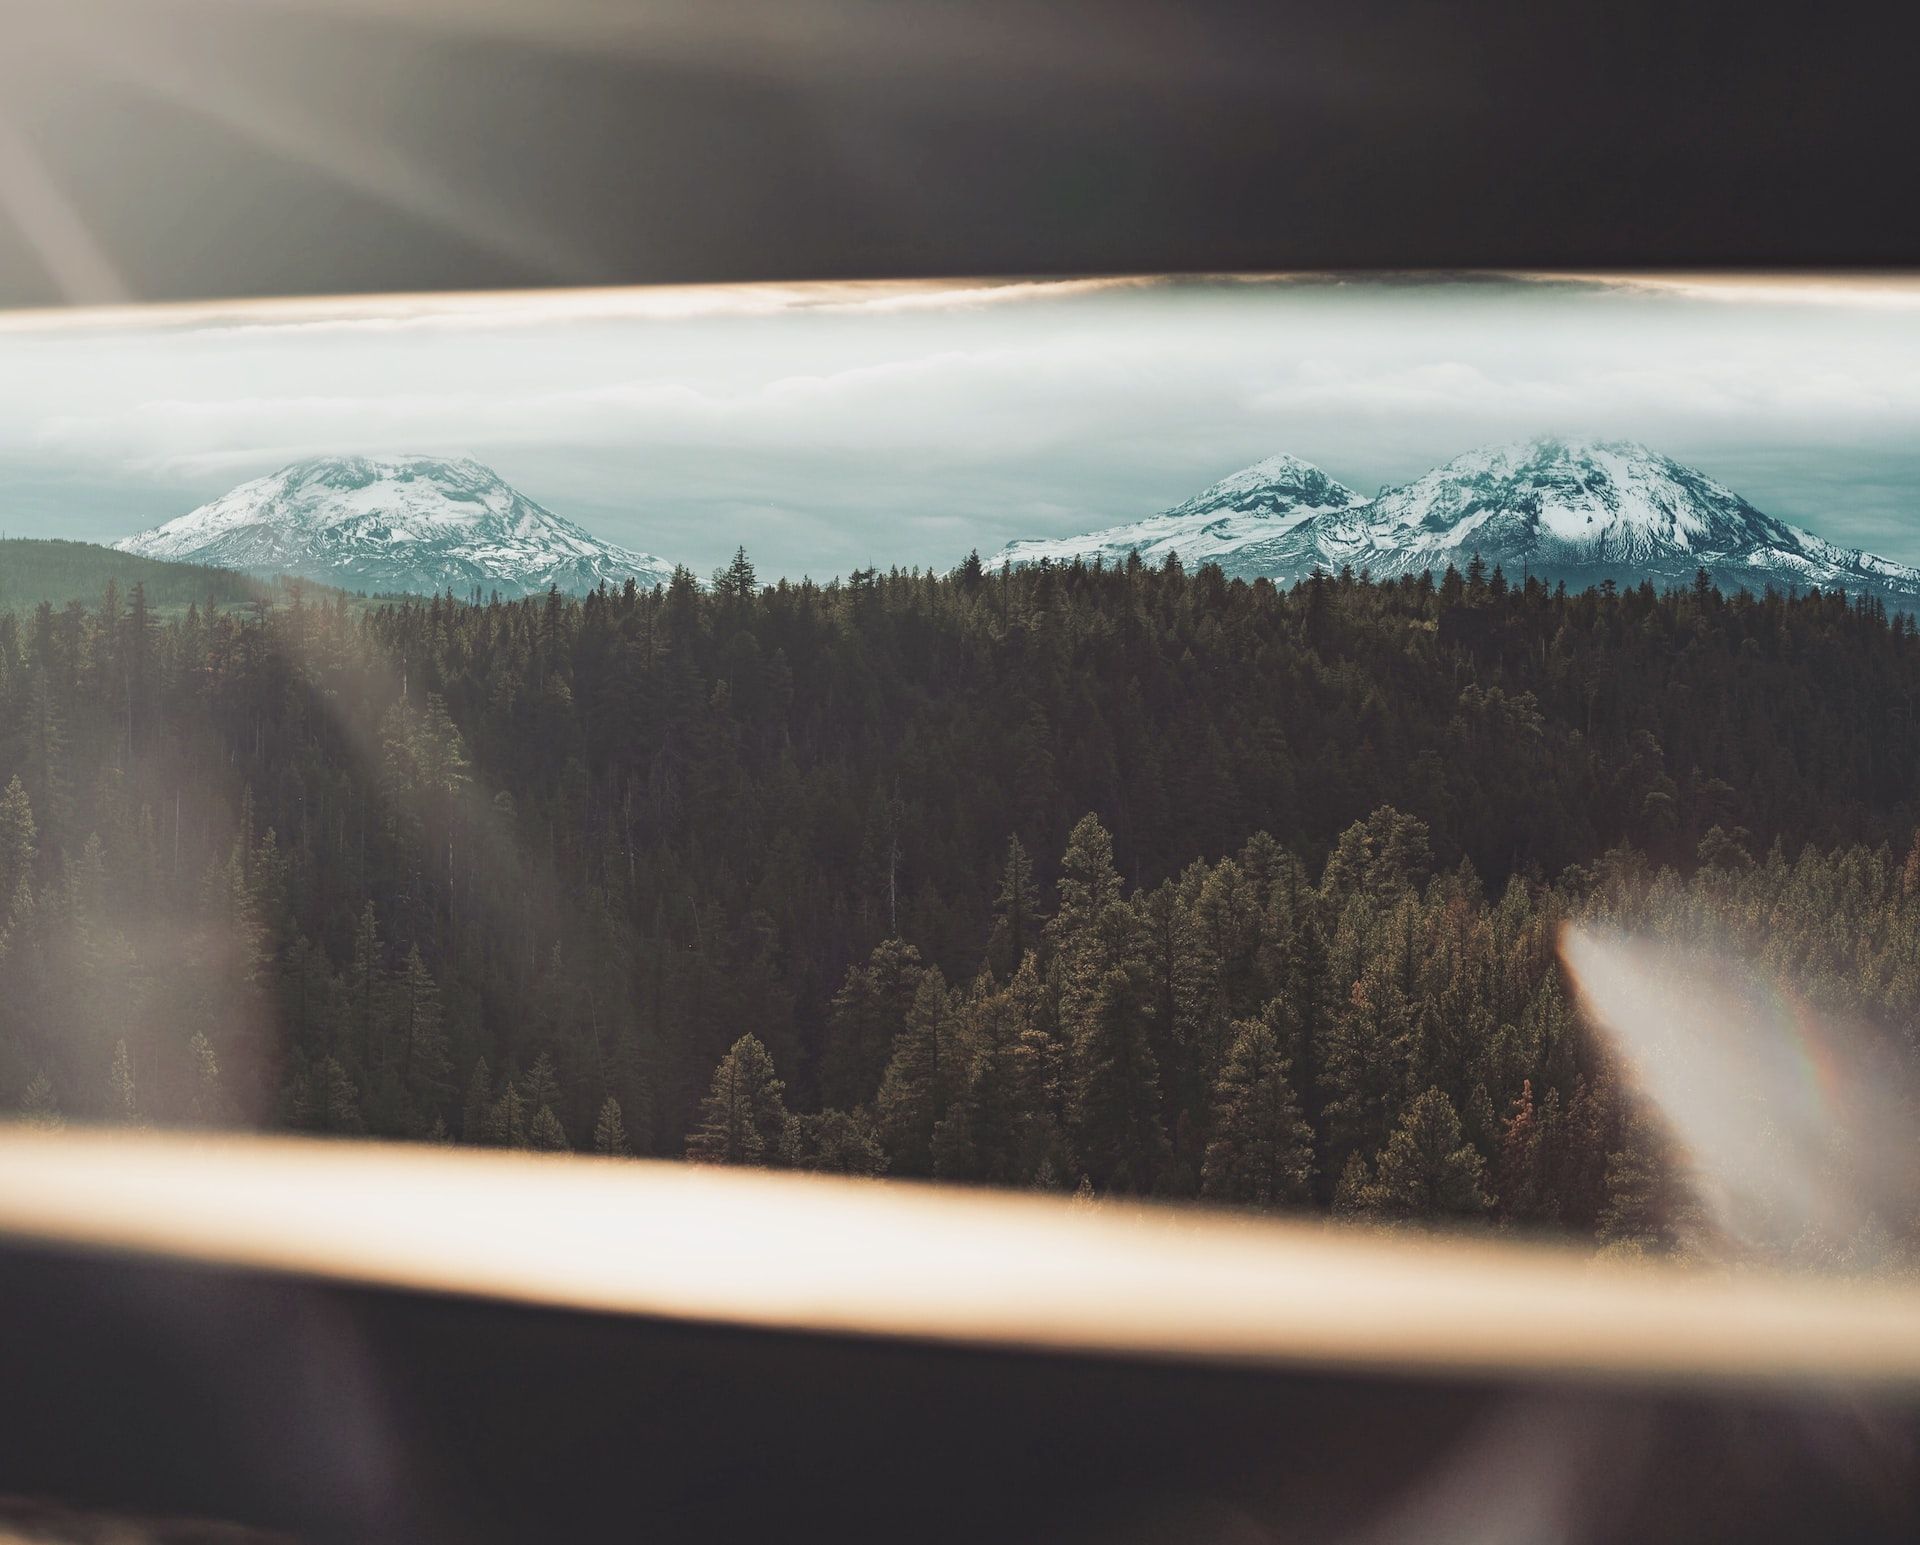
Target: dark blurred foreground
336,1413
481,1348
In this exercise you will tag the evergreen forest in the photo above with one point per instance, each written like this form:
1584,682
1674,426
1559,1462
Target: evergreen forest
1125,880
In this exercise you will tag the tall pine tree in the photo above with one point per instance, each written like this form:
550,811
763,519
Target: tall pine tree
1261,1152
743,1119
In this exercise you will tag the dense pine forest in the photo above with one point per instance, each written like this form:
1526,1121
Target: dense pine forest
1130,880
33,570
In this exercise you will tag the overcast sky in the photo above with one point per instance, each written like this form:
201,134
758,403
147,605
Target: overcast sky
830,427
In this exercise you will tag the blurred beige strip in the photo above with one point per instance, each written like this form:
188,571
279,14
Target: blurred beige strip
806,1253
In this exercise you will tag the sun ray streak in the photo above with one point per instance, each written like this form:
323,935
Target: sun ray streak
74,260
365,165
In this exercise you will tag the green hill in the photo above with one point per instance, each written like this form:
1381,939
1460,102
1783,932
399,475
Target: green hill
32,571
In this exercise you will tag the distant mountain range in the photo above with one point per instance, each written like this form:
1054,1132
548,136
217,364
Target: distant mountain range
1573,510
1558,509
408,524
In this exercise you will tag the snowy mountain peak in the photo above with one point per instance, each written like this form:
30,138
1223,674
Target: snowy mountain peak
1280,484
1251,505
1563,500
349,473
416,524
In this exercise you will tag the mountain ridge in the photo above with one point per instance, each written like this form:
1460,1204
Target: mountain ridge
1581,510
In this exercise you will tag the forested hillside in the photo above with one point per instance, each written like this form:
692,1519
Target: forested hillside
32,571
1128,878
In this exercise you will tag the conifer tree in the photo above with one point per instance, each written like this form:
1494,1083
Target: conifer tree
1300,968
1114,1110
1112,1100
984,1134
123,1103
1590,1131
915,1090
327,1101
206,1105
48,749
545,1133
1228,919
1354,1196
424,1067
1037,1083
1016,913
364,984
1644,1208
1909,871
743,1119
1366,1064
609,1132
137,663
440,752
477,1106
1082,926
1519,1164
1183,994
1262,1151
507,1119
1483,1129
18,836
1381,858
1428,1169
232,896
39,1107
868,1012
543,1084
834,1142
737,581
16,921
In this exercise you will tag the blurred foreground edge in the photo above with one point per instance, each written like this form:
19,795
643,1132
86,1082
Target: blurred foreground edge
360,1342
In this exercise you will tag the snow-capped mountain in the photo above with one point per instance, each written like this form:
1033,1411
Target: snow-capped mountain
1576,510
414,524
1253,505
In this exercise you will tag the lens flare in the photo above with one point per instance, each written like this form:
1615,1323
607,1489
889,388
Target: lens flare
1788,1119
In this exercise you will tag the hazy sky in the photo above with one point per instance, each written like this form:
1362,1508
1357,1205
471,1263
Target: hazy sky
829,427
